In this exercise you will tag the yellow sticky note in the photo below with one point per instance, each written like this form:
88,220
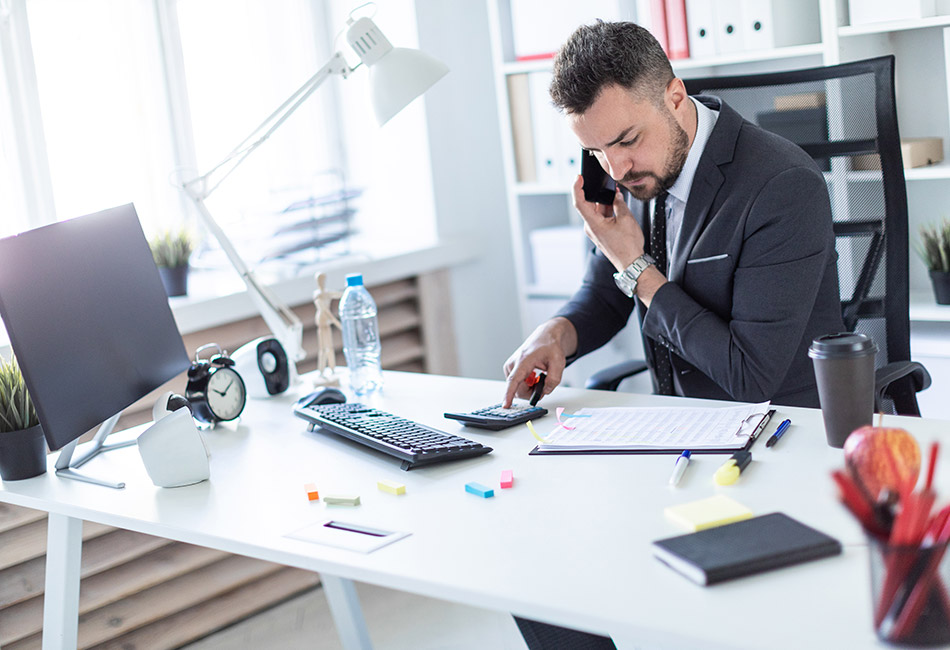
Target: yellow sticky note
707,513
391,486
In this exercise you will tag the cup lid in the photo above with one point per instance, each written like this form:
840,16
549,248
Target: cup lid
841,345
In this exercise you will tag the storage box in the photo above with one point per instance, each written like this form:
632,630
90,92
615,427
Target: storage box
916,152
863,12
559,257
801,126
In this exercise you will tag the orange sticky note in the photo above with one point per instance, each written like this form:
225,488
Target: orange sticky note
312,493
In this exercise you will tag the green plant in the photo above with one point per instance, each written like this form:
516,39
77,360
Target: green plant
934,246
172,248
16,407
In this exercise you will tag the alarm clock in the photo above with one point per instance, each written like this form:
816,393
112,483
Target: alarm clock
215,390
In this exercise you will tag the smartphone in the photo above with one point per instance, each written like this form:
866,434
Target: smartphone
599,187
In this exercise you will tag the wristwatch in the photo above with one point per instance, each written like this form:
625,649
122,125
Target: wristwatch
627,279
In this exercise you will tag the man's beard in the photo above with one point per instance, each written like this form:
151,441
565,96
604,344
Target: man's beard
679,149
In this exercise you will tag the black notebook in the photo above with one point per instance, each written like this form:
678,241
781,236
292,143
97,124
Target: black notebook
743,548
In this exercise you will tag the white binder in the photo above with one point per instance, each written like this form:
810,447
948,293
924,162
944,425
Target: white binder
701,26
730,34
758,24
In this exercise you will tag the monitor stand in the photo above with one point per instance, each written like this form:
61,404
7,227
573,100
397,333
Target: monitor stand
65,464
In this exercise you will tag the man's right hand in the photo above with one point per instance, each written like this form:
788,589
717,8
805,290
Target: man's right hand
546,349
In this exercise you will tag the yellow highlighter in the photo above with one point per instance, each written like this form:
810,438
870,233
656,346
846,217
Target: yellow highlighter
729,472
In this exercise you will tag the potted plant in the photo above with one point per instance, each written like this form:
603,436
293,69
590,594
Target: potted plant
22,446
935,251
171,250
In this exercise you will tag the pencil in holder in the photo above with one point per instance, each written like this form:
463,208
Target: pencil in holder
910,593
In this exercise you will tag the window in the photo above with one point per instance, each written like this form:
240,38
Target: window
112,135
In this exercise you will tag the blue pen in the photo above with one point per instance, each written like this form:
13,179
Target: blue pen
679,467
778,433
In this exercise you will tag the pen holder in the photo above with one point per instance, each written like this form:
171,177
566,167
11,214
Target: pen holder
909,593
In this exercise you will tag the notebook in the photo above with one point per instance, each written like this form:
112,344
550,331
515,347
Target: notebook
744,548
706,513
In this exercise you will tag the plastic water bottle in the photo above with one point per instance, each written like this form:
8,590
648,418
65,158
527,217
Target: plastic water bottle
360,336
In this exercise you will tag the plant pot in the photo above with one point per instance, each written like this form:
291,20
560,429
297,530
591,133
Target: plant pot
22,454
175,279
941,283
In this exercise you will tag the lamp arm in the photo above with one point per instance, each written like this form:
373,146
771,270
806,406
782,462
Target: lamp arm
281,321
202,187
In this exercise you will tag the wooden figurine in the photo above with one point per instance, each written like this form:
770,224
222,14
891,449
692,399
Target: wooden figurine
326,356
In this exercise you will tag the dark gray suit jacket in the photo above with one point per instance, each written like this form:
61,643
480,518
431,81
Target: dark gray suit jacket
754,280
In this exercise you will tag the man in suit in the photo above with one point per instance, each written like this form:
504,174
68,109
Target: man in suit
721,235
744,277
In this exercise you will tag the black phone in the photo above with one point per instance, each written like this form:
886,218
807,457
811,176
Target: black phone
599,187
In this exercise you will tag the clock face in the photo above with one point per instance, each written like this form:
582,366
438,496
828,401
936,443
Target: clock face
226,394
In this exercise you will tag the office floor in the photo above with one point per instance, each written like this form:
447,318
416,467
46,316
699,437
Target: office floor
396,621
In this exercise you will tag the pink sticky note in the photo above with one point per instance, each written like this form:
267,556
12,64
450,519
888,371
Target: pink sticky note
507,478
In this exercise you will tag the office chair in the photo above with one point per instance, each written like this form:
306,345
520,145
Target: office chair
844,116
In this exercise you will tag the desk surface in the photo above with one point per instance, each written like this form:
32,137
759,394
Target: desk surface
570,543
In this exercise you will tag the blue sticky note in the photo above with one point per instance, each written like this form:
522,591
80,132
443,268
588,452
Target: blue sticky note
479,490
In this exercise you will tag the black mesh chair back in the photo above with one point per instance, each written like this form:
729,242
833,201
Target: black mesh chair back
844,116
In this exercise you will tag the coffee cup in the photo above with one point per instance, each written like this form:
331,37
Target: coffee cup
844,369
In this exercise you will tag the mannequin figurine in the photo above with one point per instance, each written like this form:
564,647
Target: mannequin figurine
326,357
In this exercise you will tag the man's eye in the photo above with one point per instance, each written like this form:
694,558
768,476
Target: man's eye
630,142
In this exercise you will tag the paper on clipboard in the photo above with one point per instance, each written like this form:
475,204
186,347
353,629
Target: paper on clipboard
657,429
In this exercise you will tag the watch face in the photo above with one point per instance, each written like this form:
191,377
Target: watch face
226,394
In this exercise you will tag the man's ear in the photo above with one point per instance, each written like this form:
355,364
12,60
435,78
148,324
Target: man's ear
676,94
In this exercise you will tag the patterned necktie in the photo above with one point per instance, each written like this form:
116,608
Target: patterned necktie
662,369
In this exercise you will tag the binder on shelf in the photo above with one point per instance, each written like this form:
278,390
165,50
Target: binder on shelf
700,23
729,26
519,106
657,23
545,121
758,25
676,29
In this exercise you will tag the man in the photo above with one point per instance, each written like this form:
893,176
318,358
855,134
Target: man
744,278
726,244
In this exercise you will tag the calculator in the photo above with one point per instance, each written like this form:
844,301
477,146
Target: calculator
496,418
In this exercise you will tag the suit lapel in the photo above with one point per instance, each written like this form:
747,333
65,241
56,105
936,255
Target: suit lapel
706,183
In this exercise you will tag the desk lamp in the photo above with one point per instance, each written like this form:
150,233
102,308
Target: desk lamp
397,76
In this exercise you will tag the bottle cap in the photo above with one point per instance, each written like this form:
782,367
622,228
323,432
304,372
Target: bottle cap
354,280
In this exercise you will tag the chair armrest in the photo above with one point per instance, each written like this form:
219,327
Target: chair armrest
900,382
609,378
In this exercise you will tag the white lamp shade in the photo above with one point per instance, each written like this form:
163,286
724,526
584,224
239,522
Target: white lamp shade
399,77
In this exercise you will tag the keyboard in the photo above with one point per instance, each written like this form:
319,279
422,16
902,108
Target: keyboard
497,418
413,443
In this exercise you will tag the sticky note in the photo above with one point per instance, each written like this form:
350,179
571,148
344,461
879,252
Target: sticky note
312,493
707,513
507,478
342,499
479,490
391,486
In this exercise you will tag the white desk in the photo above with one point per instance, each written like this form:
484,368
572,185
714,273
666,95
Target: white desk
569,544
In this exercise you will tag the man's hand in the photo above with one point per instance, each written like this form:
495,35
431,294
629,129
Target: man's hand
546,349
612,228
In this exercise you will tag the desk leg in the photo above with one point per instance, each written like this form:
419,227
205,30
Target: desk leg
346,611
61,600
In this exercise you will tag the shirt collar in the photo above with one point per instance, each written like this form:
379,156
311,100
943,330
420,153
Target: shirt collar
705,121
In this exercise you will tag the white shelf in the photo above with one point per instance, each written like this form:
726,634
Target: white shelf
893,26
939,171
542,189
790,52
923,307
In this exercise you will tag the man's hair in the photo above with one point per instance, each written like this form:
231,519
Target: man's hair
604,54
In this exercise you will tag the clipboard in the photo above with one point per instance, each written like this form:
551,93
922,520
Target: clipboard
723,449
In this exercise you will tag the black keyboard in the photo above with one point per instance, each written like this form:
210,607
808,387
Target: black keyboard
497,418
412,443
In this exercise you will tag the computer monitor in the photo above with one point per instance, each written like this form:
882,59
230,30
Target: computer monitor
89,322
